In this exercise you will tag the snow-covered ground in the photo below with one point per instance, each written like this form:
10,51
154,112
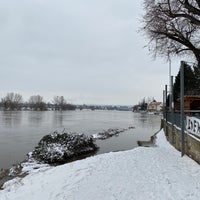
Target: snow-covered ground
139,174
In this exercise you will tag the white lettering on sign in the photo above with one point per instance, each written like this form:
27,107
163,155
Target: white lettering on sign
193,125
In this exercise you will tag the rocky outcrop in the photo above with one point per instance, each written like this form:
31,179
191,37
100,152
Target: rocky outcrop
110,133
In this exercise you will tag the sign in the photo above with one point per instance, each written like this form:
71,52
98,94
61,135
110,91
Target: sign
193,125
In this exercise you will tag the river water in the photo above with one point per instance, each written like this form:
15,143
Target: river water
20,131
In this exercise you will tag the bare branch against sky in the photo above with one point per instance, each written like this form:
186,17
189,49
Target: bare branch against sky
87,51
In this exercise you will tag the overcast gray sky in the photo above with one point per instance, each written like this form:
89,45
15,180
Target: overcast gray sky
89,51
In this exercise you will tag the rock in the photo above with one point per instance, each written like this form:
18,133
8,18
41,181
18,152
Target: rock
149,143
58,148
108,133
131,127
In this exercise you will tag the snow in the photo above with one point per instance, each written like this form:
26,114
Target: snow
33,166
142,173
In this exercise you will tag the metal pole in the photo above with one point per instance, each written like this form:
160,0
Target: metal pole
172,112
170,87
164,104
182,109
166,101
166,132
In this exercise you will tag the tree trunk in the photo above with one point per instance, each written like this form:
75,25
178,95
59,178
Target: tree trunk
197,55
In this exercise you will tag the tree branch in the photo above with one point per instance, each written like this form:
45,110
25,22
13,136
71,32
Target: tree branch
191,8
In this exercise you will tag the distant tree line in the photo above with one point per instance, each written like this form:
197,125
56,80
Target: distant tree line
104,107
14,101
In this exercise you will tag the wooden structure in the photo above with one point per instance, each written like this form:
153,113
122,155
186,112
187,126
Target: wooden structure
191,104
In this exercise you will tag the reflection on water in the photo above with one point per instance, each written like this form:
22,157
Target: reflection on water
21,130
58,118
143,118
36,118
11,118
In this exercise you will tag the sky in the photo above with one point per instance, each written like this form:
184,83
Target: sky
90,52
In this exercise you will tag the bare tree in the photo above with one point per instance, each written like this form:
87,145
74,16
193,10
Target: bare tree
59,102
36,103
173,27
12,101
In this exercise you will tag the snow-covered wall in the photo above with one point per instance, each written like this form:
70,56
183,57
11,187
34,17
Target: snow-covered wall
192,143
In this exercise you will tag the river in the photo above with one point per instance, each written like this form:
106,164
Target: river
20,131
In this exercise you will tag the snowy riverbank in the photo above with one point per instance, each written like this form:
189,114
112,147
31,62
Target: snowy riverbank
142,173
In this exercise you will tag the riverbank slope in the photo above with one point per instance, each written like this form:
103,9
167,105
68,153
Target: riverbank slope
142,173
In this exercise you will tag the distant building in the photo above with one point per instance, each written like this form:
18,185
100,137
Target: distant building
155,106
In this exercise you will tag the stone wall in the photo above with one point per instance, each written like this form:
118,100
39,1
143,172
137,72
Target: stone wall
192,143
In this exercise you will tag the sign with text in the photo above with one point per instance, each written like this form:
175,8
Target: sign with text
193,125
